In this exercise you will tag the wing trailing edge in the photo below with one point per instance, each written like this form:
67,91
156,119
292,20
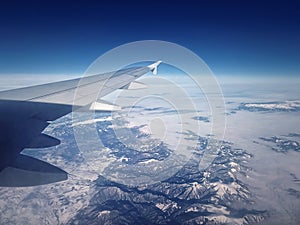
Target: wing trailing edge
134,85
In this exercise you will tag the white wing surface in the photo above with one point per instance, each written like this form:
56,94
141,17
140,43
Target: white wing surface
26,112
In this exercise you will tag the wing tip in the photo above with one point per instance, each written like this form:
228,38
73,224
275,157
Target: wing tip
153,66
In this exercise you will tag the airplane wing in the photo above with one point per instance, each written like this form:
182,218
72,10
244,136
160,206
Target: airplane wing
26,112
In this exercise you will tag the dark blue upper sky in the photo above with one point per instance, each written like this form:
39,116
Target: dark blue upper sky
233,37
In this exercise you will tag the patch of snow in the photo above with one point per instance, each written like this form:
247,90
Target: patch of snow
192,209
86,122
148,161
287,105
103,213
165,206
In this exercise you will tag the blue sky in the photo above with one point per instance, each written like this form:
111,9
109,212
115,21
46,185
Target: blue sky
240,38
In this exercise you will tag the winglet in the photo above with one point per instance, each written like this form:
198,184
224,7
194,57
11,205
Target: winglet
153,67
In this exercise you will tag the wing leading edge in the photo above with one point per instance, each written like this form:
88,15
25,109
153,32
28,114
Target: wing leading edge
26,112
